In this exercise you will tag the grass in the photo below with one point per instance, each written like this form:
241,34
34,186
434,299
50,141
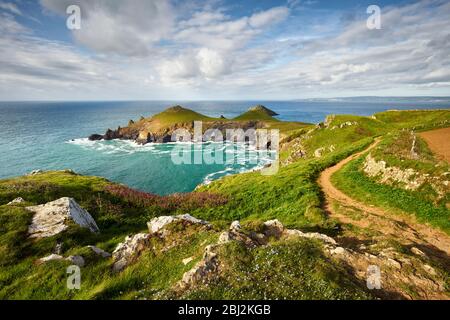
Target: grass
293,270
292,195
353,182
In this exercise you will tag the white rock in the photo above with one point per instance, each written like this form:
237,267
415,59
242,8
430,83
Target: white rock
128,250
310,235
394,263
235,225
100,252
35,172
187,260
273,228
76,260
202,271
338,250
429,269
51,257
157,224
16,201
51,218
418,252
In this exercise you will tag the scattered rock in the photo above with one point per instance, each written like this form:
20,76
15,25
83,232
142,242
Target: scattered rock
95,137
338,250
273,228
318,152
409,178
76,260
235,225
51,257
16,201
35,172
429,269
418,252
156,225
310,235
202,271
394,263
187,260
51,218
127,251
100,252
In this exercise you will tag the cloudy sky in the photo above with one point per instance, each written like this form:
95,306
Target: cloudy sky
222,50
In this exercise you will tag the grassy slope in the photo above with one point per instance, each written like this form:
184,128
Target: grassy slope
291,196
395,150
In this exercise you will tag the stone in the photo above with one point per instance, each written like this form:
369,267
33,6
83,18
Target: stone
273,228
76,260
318,152
429,269
16,201
95,137
51,218
156,225
51,257
235,225
338,250
310,235
187,260
35,172
418,252
394,263
100,252
202,271
126,252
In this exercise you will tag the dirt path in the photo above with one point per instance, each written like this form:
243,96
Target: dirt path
402,227
438,141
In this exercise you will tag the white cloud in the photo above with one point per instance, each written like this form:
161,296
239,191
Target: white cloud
11,7
144,49
122,27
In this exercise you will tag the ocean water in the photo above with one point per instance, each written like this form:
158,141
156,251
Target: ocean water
52,136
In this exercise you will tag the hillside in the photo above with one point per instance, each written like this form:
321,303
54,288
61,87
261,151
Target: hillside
159,127
250,236
258,112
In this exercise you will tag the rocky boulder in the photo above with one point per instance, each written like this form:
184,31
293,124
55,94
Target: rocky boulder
157,225
16,201
75,260
100,252
52,218
129,250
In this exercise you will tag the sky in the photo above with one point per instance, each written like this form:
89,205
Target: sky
223,50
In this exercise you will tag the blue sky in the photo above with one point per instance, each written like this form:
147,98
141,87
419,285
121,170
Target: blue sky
222,50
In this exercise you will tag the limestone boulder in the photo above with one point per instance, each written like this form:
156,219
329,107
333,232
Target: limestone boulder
157,225
16,201
129,250
52,218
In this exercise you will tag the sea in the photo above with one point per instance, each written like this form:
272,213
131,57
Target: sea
53,136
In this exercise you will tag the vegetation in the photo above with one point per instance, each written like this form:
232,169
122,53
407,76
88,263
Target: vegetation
294,269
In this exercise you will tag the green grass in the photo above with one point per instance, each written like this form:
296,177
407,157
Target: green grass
417,119
395,150
351,180
292,195
292,270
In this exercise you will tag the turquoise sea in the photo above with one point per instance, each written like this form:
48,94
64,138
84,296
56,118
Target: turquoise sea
52,136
